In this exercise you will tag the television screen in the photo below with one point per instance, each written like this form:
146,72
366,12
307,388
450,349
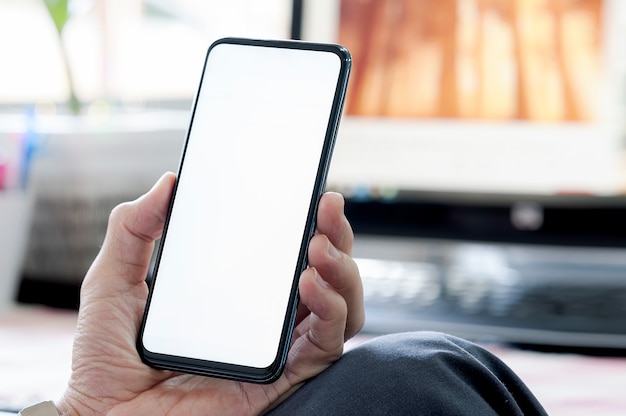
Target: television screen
481,119
481,154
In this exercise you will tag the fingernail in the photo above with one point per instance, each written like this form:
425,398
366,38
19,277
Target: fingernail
332,251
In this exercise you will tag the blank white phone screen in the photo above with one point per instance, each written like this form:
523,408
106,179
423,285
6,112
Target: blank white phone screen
231,249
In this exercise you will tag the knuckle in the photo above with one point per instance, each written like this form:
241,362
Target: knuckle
119,213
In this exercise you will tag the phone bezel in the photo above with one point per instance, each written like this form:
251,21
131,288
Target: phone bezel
273,371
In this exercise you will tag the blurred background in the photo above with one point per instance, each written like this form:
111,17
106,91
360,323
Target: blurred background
481,154
95,98
481,151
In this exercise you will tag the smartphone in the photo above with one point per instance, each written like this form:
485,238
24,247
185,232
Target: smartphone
224,290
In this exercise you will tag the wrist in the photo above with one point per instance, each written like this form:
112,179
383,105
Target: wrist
68,406
65,409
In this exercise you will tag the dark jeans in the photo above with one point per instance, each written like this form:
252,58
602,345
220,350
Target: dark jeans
422,373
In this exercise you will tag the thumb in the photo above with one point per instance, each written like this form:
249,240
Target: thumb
132,229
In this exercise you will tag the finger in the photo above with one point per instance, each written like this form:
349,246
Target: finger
341,272
322,334
132,229
332,222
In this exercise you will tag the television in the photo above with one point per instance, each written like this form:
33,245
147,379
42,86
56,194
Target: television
482,148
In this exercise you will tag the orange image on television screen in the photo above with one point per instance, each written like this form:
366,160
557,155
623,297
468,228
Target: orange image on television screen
537,60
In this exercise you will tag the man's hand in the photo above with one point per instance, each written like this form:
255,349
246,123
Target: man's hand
107,373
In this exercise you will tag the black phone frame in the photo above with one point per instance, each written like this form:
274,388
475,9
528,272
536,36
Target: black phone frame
272,372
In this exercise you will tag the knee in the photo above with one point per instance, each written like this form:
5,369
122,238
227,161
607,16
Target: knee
418,367
415,348
439,371
443,359
421,372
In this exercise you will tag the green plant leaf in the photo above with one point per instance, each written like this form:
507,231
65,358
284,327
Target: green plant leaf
58,12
